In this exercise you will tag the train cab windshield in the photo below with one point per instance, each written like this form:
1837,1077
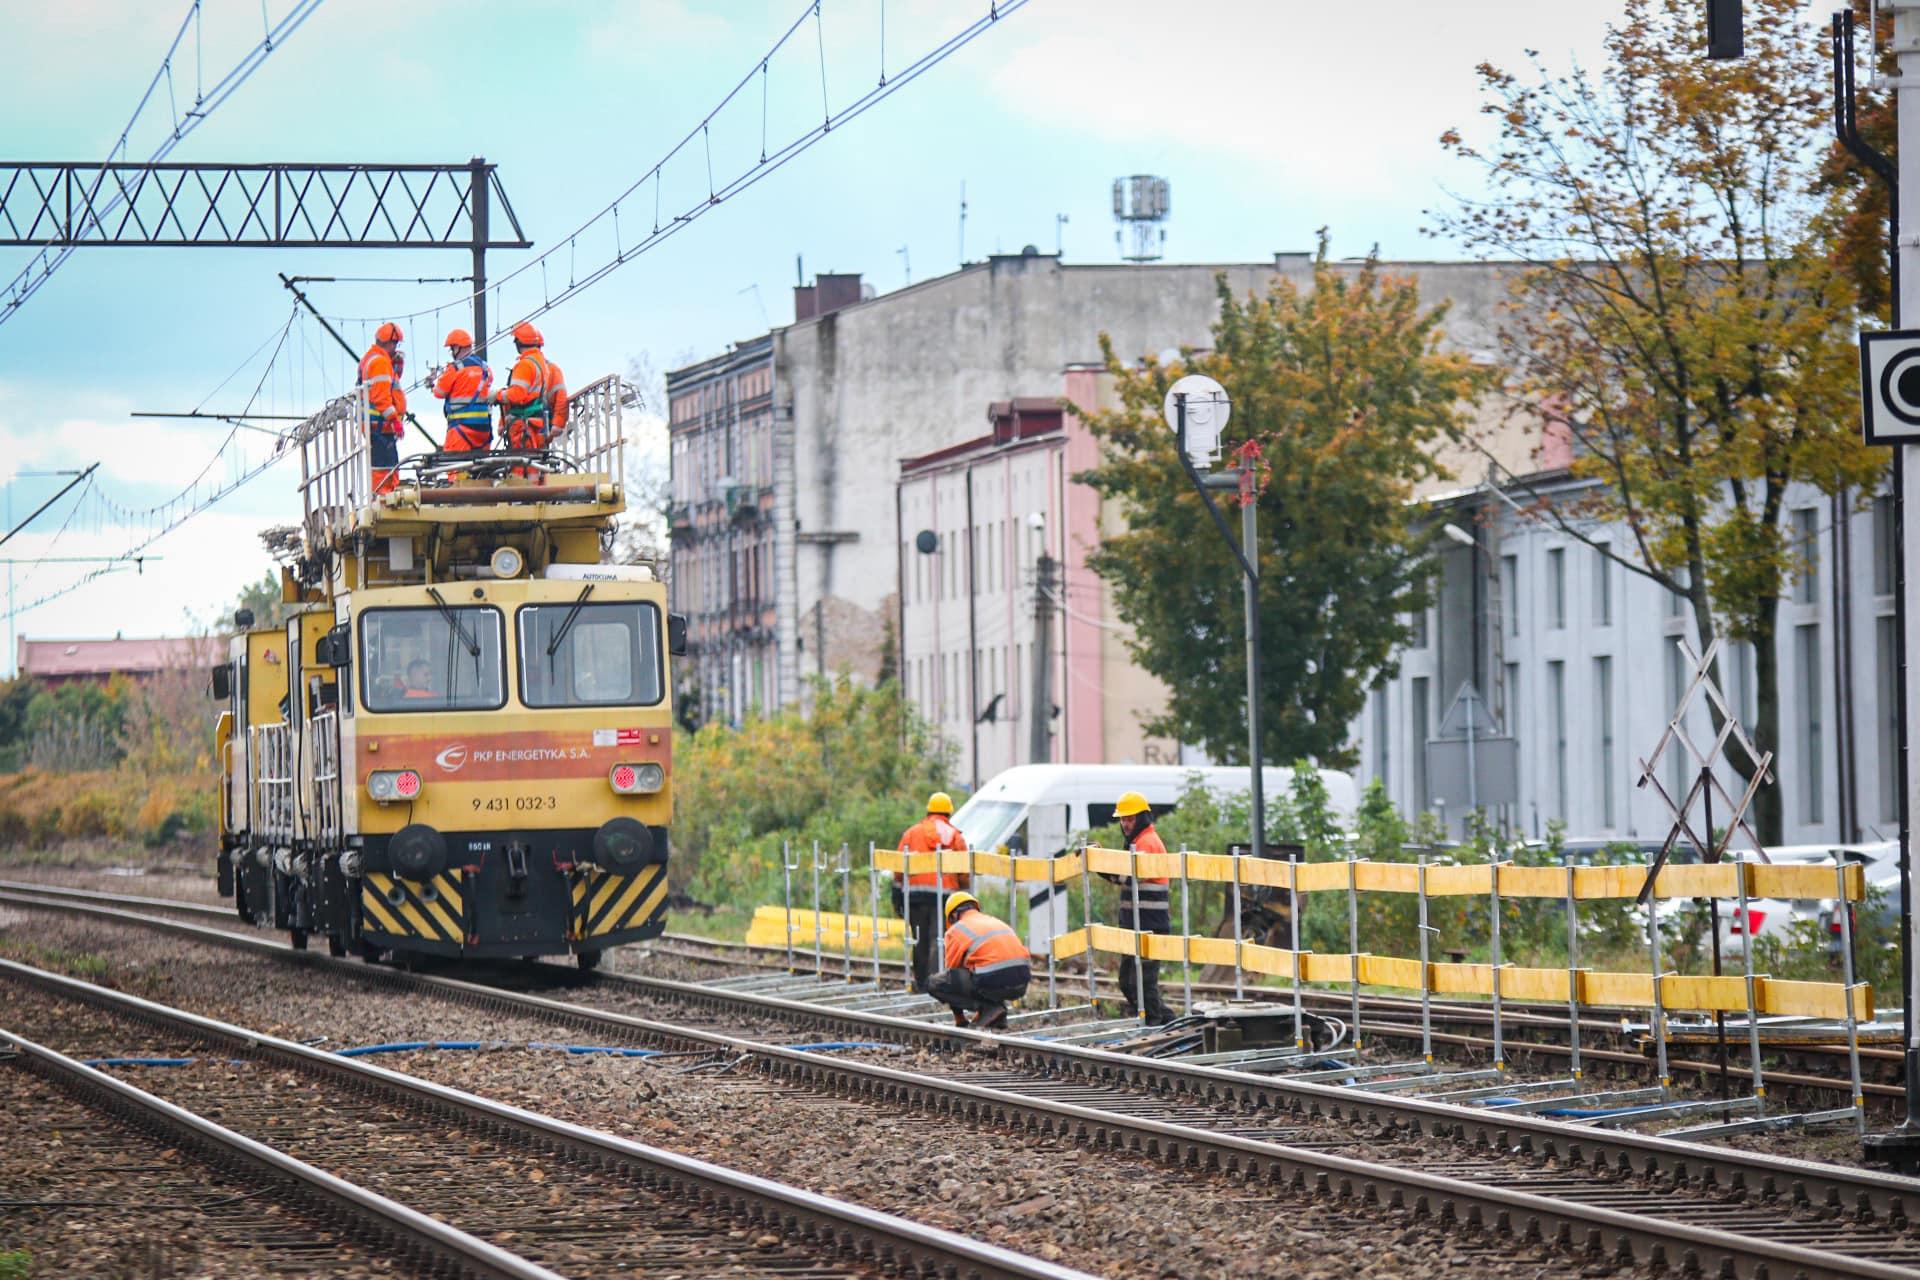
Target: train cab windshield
432,659
583,654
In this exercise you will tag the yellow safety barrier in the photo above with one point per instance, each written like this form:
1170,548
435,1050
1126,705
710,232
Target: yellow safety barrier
953,862
1445,881
769,929
1677,991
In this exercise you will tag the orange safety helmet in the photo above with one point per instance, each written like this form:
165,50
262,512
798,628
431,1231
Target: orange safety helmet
459,338
389,332
527,336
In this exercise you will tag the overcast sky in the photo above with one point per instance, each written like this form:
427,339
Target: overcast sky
1271,118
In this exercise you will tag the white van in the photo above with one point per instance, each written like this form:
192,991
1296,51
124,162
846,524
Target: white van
1038,809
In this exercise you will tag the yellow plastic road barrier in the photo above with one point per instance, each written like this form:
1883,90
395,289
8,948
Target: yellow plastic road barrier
769,929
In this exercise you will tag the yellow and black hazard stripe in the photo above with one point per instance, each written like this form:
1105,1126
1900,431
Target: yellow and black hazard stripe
405,910
606,904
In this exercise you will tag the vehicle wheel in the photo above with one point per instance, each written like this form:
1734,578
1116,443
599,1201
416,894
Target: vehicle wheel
587,960
298,938
336,945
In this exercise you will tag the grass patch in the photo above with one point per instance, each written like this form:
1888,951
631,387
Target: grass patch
15,1264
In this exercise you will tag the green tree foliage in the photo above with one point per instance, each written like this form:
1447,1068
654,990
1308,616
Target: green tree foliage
263,598
856,766
1344,389
1682,313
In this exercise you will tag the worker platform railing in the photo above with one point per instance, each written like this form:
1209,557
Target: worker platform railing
594,438
336,473
325,813
273,781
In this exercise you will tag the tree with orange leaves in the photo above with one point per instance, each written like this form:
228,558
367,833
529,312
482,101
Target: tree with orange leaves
1680,312
1346,391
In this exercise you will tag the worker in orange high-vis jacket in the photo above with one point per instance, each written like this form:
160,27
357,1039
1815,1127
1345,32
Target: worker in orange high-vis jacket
1140,978
917,898
533,403
987,965
386,405
466,388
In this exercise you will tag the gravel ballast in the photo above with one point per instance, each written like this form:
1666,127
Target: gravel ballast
1106,1213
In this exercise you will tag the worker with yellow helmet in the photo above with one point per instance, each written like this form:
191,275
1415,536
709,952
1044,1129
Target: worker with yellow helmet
986,965
916,898
1140,979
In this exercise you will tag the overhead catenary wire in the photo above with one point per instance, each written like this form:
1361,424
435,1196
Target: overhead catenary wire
38,271
190,502
663,228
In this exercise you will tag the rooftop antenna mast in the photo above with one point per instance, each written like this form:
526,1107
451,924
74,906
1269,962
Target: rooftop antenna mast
963,222
906,262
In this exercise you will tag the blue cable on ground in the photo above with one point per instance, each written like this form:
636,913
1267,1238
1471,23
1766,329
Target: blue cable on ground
417,1046
138,1062
1568,1113
828,1046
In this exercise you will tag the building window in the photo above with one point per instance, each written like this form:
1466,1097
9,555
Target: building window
1418,712
1603,705
1806,545
1745,694
1417,625
1677,601
1557,709
1676,685
1382,737
1512,723
1887,719
1557,589
1806,642
1602,586
1510,592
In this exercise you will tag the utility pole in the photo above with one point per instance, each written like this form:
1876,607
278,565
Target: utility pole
1040,717
1901,1147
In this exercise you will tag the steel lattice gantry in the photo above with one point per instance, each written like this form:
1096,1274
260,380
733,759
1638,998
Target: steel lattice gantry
279,206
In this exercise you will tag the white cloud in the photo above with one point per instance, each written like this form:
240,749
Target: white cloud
1304,97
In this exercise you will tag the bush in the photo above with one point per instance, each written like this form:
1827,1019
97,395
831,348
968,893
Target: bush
854,767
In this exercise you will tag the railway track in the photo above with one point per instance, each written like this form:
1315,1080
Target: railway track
571,1200
181,1192
1613,1195
1461,1028
1604,1043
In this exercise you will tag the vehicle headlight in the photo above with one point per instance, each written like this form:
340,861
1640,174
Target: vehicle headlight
637,779
388,785
507,562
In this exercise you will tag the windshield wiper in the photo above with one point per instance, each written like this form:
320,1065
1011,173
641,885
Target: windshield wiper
453,621
566,623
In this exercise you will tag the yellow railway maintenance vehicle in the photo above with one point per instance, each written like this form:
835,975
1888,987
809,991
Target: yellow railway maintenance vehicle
459,744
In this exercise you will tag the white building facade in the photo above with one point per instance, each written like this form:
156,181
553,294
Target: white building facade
1579,660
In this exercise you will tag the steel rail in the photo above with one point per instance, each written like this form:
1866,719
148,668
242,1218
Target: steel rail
1869,1194
322,1194
854,1229
1385,1006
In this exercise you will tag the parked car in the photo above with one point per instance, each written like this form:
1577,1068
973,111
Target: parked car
1775,917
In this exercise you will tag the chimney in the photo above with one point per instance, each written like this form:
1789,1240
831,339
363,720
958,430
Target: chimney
805,303
837,291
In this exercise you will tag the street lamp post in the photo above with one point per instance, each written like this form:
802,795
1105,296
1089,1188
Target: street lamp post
1455,533
1197,408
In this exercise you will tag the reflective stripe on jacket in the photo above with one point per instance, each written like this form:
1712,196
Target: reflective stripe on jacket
1154,894
983,944
384,406
930,835
467,385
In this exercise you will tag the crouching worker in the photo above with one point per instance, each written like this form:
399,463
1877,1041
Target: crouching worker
987,965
